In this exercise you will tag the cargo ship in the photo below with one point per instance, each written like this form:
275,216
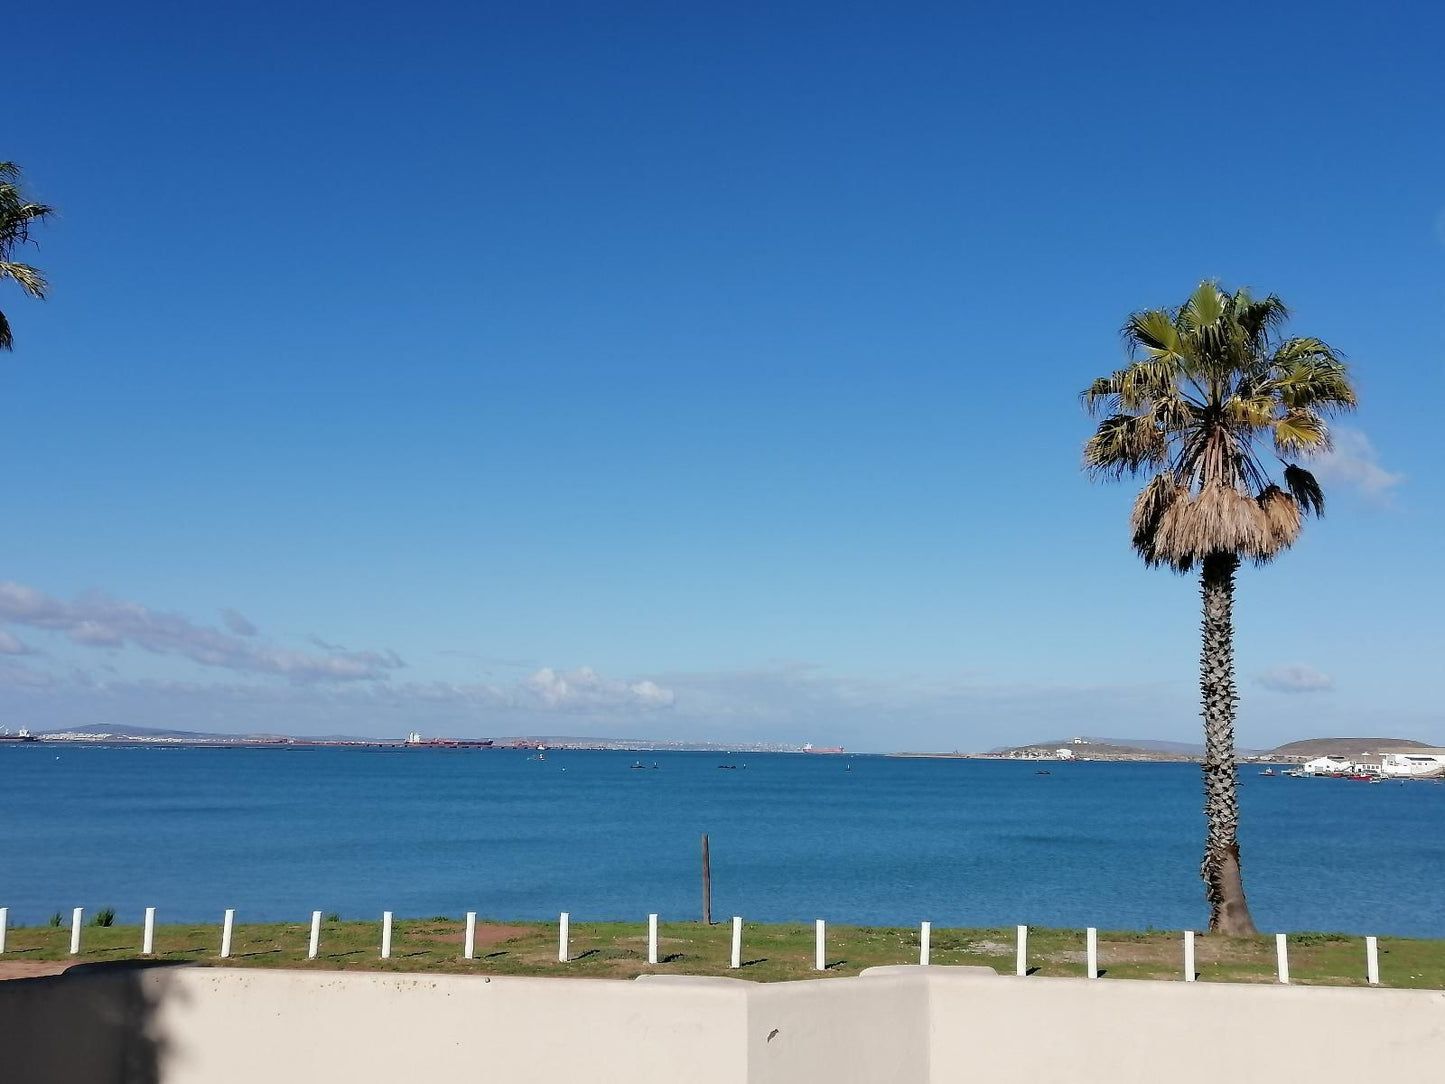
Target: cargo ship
21,735
811,748
416,741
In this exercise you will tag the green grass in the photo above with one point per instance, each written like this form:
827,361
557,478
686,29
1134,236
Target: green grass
770,953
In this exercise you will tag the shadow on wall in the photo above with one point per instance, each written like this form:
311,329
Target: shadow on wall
97,1023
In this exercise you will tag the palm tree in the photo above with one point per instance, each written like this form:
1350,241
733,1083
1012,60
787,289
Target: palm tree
1208,388
16,216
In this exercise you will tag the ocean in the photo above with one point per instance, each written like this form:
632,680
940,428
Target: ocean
276,833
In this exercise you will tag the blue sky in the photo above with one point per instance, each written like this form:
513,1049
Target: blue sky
694,370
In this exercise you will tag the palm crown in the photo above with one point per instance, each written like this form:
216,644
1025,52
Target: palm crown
1209,388
16,215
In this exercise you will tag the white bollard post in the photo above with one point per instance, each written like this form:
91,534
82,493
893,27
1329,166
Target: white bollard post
564,924
820,962
1372,959
315,947
1021,961
1093,952
925,943
1281,955
1188,955
652,939
4,921
469,951
226,927
737,960
386,935
75,930
148,939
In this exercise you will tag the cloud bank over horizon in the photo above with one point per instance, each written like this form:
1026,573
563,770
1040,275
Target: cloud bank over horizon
241,682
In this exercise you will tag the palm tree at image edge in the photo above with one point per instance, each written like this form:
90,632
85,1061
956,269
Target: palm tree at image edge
16,216
1210,390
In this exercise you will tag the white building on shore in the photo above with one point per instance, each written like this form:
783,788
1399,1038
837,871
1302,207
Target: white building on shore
1327,765
1413,762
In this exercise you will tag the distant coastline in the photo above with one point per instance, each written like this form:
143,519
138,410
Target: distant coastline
104,734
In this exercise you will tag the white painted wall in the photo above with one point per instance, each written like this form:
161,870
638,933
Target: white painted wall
902,1025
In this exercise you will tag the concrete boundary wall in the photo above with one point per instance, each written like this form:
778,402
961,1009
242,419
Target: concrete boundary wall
909,1025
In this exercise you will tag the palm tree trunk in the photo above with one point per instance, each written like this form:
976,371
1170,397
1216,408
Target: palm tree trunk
1228,911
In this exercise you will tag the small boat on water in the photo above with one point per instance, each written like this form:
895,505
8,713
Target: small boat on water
1043,771
1267,772
640,767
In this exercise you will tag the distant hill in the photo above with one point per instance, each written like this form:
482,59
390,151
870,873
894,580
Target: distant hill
1107,749
1189,749
1344,747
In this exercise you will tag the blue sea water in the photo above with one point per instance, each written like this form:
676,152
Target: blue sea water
277,833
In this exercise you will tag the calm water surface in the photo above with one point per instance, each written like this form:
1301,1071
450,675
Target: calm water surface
277,833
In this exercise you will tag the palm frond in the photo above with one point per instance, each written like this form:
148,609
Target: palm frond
1309,375
30,279
1204,307
1153,333
1219,519
1282,518
7,341
1249,409
1102,395
1305,490
1150,506
1259,320
1300,430
1125,444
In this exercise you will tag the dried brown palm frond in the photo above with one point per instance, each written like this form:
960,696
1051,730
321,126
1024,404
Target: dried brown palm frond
1219,519
1282,518
1153,502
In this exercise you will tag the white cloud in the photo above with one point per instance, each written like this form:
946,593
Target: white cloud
1295,679
1354,461
97,620
11,646
585,689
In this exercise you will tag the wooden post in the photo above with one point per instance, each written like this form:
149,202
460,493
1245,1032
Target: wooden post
563,928
1281,956
706,883
1021,951
1372,959
386,935
470,949
75,930
227,925
148,940
314,948
737,960
1189,956
1092,945
652,939
820,960
925,937
4,921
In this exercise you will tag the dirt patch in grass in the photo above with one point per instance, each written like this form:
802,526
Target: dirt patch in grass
486,935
